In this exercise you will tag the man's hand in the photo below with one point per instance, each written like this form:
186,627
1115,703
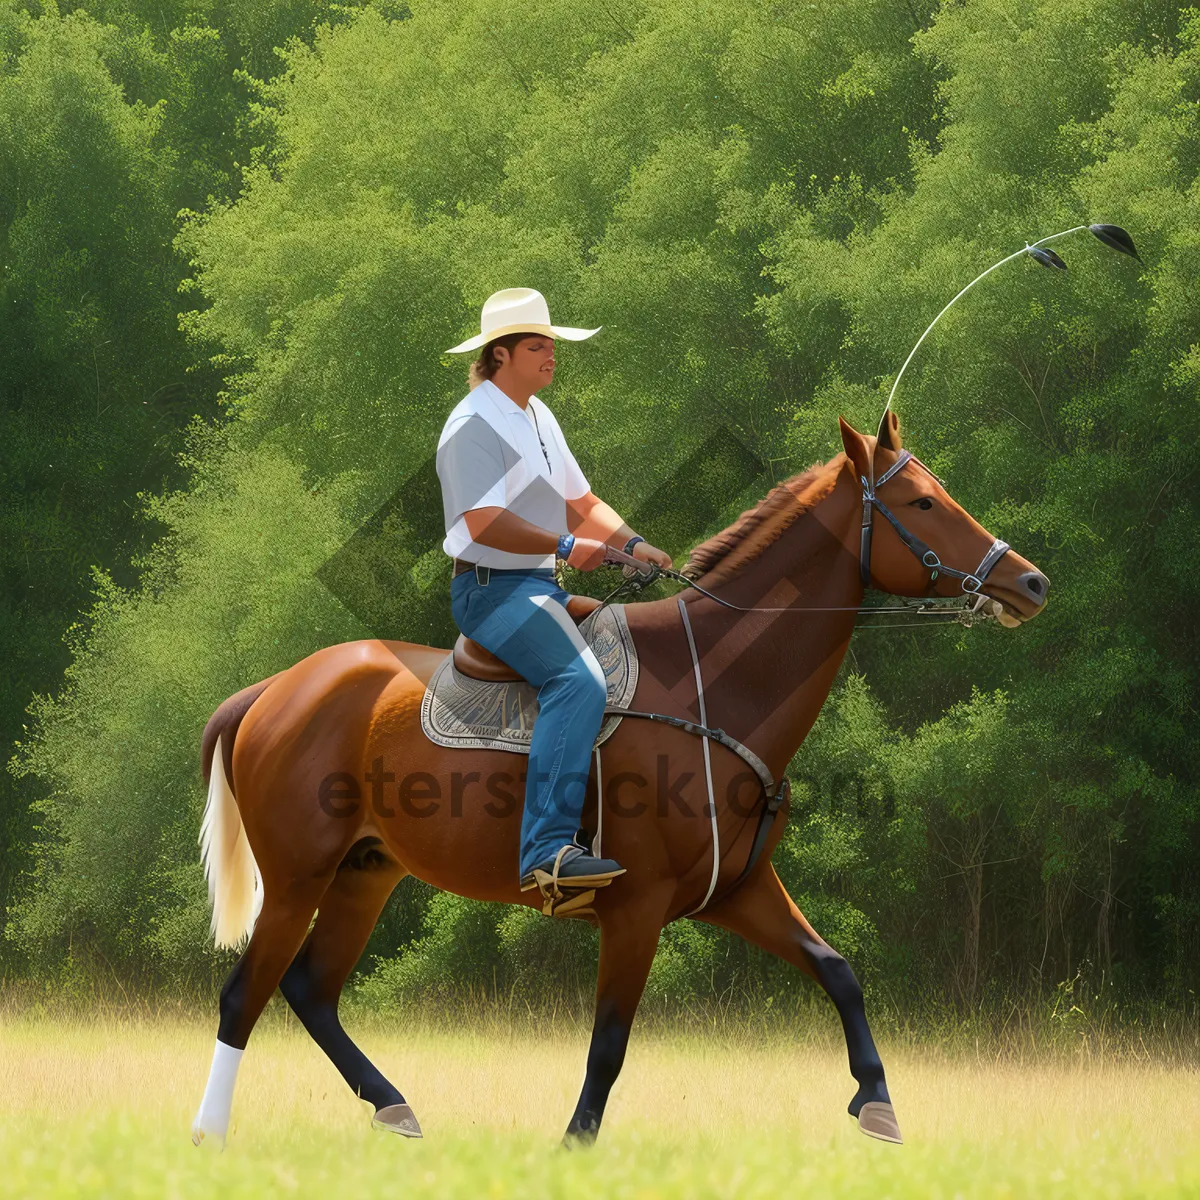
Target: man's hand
647,553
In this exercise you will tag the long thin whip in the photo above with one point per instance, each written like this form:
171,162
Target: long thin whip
1110,235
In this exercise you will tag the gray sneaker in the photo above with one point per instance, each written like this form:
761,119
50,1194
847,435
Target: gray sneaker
576,868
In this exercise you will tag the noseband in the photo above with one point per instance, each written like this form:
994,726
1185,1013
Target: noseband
971,581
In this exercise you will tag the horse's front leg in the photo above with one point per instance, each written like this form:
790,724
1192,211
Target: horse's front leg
764,914
628,940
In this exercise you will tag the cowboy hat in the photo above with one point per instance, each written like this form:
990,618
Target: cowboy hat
517,310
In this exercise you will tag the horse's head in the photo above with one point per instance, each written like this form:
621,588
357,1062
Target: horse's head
917,541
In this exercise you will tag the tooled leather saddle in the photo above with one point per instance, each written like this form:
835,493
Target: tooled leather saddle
475,700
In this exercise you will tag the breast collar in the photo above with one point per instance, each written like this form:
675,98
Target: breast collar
972,581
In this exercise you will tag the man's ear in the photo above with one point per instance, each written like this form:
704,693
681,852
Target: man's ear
889,433
856,449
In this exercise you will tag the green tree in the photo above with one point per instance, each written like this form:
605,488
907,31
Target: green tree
763,206
113,116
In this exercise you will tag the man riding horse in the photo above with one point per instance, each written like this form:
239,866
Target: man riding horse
303,873
514,498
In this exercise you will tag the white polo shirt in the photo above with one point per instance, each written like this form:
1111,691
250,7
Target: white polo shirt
489,456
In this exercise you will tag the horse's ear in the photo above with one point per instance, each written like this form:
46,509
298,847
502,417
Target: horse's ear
889,433
856,449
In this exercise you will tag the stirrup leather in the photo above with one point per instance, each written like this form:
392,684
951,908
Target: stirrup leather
568,897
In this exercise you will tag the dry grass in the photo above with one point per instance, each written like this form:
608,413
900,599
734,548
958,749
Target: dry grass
105,1108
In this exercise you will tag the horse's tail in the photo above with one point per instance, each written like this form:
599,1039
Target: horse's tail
235,888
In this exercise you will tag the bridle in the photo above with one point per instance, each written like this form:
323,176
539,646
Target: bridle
972,581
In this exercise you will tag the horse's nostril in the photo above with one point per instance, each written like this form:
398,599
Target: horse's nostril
1036,584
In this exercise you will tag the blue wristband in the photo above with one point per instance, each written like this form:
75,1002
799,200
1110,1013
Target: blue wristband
633,541
566,544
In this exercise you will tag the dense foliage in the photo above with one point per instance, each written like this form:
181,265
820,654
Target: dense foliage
764,205
112,118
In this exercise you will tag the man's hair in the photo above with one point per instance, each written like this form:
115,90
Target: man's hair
486,365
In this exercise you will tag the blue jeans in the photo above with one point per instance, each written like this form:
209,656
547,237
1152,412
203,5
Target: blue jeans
521,617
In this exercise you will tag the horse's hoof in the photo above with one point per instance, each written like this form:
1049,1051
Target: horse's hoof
578,1141
877,1119
397,1118
200,1137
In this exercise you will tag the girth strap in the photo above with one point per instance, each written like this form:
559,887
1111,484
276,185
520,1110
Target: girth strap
756,764
766,822
774,794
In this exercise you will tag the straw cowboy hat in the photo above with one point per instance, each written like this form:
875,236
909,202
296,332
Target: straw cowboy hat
517,310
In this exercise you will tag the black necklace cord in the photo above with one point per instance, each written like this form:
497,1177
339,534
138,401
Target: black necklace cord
537,428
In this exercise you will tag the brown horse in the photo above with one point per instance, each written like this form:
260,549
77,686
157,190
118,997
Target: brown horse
339,793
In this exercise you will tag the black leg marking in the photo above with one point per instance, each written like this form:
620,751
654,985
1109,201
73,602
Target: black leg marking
834,974
610,1037
627,946
313,983
231,1028
320,1018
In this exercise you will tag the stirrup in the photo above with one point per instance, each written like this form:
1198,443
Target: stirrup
568,897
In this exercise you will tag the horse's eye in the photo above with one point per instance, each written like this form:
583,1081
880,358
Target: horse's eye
924,503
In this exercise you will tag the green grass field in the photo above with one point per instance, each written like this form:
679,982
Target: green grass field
104,1109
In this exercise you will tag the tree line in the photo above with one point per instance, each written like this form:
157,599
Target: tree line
237,238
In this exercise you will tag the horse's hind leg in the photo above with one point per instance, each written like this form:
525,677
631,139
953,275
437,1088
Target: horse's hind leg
764,914
278,932
314,981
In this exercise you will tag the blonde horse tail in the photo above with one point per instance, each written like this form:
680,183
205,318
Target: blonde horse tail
234,884
235,887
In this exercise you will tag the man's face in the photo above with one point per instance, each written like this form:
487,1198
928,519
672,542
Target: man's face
531,363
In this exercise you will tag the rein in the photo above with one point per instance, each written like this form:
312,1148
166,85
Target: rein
950,606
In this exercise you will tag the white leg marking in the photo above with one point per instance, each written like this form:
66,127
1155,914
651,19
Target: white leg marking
212,1119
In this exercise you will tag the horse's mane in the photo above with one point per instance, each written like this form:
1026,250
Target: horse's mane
727,552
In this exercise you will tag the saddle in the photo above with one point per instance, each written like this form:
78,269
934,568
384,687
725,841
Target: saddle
470,658
475,701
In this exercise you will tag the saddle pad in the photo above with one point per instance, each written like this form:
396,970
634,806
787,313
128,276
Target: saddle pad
458,710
